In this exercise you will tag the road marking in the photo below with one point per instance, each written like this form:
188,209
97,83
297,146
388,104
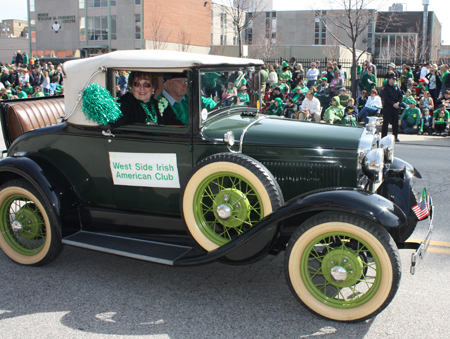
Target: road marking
442,247
439,250
432,242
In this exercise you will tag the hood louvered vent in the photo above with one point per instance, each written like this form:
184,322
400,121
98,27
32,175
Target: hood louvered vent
296,178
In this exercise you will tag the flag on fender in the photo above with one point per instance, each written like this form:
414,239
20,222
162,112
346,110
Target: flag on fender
421,210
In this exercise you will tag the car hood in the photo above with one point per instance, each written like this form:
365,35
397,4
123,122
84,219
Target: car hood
276,131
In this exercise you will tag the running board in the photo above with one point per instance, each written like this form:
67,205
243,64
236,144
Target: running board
152,251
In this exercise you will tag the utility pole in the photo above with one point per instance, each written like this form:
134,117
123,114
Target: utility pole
425,27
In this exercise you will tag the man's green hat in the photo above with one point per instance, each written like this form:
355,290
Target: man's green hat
285,64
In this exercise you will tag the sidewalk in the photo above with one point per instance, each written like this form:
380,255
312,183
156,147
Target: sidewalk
422,140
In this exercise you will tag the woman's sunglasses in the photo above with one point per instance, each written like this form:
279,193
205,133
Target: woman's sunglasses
144,84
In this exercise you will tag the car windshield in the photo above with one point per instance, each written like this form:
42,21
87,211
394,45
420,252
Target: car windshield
228,88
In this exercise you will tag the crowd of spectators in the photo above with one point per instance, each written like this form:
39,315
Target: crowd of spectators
26,77
413,102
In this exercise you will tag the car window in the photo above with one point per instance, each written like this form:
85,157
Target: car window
227,88
151,98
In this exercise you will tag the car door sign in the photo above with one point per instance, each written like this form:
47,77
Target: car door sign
144,169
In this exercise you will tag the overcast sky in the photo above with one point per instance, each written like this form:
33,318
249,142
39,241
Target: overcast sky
17,9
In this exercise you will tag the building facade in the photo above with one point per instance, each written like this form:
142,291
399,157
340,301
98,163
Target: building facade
13,28
81,28
399,37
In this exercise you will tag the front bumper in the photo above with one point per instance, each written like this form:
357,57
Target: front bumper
422,248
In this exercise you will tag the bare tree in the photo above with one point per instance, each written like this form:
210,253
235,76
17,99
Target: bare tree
242,14
264,47
185,40
353,19
158,32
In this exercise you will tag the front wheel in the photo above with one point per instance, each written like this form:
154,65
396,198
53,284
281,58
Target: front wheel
342,267
27,230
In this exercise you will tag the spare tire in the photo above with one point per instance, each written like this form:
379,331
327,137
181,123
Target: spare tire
225,195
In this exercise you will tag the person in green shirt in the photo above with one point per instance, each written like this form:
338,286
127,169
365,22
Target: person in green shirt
343,97
407,98
335,112
440,120
37,92
276,108
243,96
264,76
25,58
21,94
368,80
284,87
175,86
28,89
351,113
409,121
444,73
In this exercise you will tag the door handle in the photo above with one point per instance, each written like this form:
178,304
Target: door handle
108,133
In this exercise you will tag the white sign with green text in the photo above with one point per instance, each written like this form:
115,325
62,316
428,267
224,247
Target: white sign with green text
144,169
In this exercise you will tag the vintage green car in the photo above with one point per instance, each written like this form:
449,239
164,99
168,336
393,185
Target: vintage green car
231,184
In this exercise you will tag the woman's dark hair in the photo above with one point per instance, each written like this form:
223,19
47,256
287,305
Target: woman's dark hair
136,75
363,92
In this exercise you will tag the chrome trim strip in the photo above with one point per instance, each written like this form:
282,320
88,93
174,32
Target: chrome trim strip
241,139
121,253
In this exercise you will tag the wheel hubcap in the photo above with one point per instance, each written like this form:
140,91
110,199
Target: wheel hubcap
342,267
16,227
338,274
233,207
223,212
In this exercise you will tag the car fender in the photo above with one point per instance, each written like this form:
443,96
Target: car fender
49,182
276,228
399,165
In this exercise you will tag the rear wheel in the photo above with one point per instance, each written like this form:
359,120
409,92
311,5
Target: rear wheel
342,267
27,232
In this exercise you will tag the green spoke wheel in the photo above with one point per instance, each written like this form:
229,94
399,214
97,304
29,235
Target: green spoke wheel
342,267
226,195
26,232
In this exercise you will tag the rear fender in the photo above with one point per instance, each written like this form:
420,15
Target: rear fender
275,230
50,183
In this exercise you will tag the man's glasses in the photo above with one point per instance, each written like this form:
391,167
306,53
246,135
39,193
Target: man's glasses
144,84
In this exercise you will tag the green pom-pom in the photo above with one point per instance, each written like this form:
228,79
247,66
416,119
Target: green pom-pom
99,105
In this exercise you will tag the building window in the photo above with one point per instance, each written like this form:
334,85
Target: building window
97,28
137,21
31,5
223,39
320,29
82,29
97,3
137,2
81,4
223,20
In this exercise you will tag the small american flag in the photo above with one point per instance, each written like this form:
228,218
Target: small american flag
421,210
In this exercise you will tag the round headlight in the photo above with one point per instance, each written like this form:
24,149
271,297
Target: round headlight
388,145
373,164
228,138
